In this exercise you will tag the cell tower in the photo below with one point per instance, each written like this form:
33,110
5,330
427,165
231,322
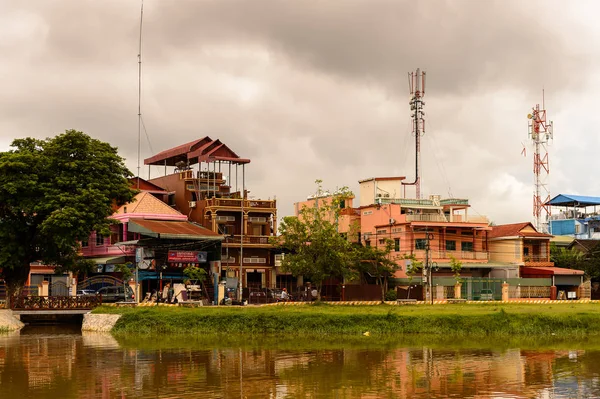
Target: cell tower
540,132
416,84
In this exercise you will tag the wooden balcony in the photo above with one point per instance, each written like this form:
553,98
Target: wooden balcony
251,205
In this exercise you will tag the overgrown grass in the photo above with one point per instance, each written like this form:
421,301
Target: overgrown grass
505,320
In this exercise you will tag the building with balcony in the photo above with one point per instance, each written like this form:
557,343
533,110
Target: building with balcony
207,180
575,216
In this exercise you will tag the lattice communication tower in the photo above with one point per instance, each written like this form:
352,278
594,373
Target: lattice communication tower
540,132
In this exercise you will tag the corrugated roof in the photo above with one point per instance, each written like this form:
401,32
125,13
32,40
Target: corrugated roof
172,229
515,230
557,271
201,150
573,200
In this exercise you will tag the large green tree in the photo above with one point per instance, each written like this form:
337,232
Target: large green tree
314,247
53,194
575,259
377,263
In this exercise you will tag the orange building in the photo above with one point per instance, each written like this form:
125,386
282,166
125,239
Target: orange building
207,180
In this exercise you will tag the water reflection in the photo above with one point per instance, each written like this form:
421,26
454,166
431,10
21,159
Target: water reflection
53,363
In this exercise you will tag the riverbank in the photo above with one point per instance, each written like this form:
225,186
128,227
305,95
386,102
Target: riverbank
528,320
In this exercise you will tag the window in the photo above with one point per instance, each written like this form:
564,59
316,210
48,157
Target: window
84,244
450,245
466,246
450,231
382,240
99,240
368,243
397,230
420,243
396,244
466,233
383,231
525,251
367,213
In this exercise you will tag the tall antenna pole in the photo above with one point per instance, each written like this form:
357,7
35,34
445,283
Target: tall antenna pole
540,132
416,83
140,96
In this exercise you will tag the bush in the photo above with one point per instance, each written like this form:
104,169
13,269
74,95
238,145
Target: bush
391,295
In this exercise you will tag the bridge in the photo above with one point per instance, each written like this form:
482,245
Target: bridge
30,305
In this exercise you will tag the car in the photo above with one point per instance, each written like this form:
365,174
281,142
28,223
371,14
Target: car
86,292
486,295
116,293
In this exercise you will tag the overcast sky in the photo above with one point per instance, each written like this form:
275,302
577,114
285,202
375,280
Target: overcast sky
318,89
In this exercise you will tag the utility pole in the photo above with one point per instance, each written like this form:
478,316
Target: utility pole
427,270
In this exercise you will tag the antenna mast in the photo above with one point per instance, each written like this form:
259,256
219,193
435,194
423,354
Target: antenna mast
416,84
540,132
140,95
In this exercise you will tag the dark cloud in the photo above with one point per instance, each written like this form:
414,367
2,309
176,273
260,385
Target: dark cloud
309,89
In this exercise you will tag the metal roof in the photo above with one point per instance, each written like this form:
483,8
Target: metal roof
172,229
573,200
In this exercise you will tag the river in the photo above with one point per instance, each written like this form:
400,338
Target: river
61,362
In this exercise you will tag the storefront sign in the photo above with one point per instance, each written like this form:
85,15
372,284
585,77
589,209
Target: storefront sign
187,256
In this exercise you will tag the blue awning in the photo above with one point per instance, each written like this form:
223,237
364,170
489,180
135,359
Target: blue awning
573,200
153,275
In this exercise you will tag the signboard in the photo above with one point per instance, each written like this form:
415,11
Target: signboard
187,256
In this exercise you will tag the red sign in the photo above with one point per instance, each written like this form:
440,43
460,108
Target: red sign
187,256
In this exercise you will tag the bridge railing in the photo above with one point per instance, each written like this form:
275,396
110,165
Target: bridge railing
22,302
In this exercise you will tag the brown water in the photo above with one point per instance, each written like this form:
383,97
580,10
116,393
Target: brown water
45,362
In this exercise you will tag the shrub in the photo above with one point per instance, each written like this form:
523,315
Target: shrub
391,295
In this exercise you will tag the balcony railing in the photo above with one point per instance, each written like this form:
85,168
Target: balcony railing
256,240
237,203
536,258
459,255
434,217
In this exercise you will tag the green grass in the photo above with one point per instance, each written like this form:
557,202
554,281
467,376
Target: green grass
573,321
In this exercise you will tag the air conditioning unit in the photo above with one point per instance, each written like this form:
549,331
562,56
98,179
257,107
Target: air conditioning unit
192,204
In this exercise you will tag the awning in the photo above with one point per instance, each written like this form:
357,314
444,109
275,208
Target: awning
110,260
573,200
154,275
172,229
551,271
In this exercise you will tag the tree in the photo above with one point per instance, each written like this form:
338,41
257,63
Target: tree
456,267
126,274
314,248
53,194
413,266
376,262
195,274
575,259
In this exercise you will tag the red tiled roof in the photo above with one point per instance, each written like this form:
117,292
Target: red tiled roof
172,229
514,230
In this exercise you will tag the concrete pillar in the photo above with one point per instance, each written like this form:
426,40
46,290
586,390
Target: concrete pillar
585,290
457,290
43,290
73,287
553,293
439,292
505,291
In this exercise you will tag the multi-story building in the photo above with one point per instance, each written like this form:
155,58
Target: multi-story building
207,180
575,216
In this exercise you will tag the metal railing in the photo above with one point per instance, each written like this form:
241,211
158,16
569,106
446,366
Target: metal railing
259,240
22,302
433,217
460,255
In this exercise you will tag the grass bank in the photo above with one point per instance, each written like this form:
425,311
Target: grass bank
552,320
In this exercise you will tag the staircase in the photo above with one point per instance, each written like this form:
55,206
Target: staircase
209,288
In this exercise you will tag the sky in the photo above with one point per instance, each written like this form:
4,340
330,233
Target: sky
318,89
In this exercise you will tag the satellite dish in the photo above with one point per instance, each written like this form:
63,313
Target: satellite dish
145,264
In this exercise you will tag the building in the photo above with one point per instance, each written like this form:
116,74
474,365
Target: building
207,180
521,245
575,216
154,236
